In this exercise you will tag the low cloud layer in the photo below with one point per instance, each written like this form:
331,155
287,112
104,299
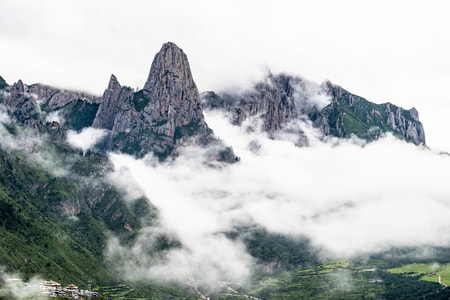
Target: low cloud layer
348,197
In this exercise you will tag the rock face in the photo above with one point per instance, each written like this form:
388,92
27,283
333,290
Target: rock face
113,99
22,106
30,105
348,114
166,113
333,110
272,99
278,100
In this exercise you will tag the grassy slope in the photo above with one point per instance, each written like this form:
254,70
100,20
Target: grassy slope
361,116
36,238
426,271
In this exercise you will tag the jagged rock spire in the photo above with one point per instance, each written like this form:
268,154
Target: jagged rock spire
158,118
171,63
171,89
113,98
22,106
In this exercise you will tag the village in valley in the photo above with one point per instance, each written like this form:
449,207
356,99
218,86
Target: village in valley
53,289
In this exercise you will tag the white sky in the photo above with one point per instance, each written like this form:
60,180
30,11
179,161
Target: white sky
395,51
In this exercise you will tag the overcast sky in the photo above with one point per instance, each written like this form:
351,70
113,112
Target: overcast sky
395,51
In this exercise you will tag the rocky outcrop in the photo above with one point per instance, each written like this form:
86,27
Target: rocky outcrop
274,100
113,99
334,111
52,99
74,110
165,114
348,115
277,100
22,106
30,105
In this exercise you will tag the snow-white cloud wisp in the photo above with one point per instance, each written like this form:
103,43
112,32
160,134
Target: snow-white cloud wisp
347,196
13,287
86,138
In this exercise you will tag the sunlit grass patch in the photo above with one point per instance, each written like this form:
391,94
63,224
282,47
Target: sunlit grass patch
432,272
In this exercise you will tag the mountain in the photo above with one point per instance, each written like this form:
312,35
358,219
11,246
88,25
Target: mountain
59,205
280,99
166,113
348,114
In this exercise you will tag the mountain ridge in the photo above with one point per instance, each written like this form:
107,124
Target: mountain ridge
168,112
279,99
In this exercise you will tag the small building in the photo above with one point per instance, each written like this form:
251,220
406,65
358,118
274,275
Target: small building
51,286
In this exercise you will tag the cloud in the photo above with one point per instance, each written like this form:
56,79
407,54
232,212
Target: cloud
308,94
54,116
348,197
27,141
4,117
203,259
85,139
12,287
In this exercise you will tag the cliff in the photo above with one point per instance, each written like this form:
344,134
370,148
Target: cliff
165,114
282,98
348,114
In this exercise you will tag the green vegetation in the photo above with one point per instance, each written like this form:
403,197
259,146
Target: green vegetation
80,114
57,226
186,130
340,280
352,115
150,290
278,251
433,272
37,236
140,100
134,146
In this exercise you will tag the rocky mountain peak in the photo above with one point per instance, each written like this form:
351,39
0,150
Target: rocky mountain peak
113,83
171,89
18,87
165,114
113,98
169,63
21,105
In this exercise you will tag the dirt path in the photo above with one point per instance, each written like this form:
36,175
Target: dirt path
440,281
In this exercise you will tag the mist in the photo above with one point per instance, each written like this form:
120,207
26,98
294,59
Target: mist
12,287
348,197
30,144
86,138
